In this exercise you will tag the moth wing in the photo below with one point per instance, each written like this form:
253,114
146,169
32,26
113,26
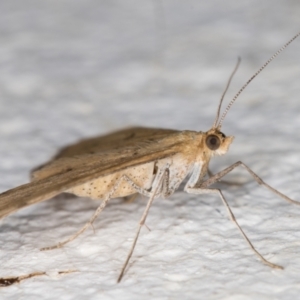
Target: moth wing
111,142
83,168
114,140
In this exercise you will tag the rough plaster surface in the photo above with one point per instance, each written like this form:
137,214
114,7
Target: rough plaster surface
74,69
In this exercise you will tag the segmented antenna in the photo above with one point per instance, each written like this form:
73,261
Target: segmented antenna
247,83
225,91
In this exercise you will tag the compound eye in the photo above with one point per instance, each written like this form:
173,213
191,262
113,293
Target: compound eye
213,142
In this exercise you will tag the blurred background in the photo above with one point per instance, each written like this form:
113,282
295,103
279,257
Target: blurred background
75,69
72,69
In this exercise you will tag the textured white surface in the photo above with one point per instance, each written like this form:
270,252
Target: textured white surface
73,69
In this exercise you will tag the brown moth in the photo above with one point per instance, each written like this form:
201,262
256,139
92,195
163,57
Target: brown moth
148,161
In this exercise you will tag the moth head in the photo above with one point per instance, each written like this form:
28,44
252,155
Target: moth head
216,142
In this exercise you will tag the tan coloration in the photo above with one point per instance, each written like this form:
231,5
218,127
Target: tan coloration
73,168
225,146
118,140
97,189
141,175
225,142
145,160
141,146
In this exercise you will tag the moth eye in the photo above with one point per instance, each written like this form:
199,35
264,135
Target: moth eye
213,142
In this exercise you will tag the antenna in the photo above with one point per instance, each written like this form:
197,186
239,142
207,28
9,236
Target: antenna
225,91
247,83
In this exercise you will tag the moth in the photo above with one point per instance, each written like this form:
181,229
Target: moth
148,161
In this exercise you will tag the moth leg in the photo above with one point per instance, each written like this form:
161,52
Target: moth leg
210,174
139,190
100,209
161,177
219,175
232,217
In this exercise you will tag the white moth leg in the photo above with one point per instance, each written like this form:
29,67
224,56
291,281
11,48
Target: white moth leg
100,209
159,182
221,174
210,174
232,217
